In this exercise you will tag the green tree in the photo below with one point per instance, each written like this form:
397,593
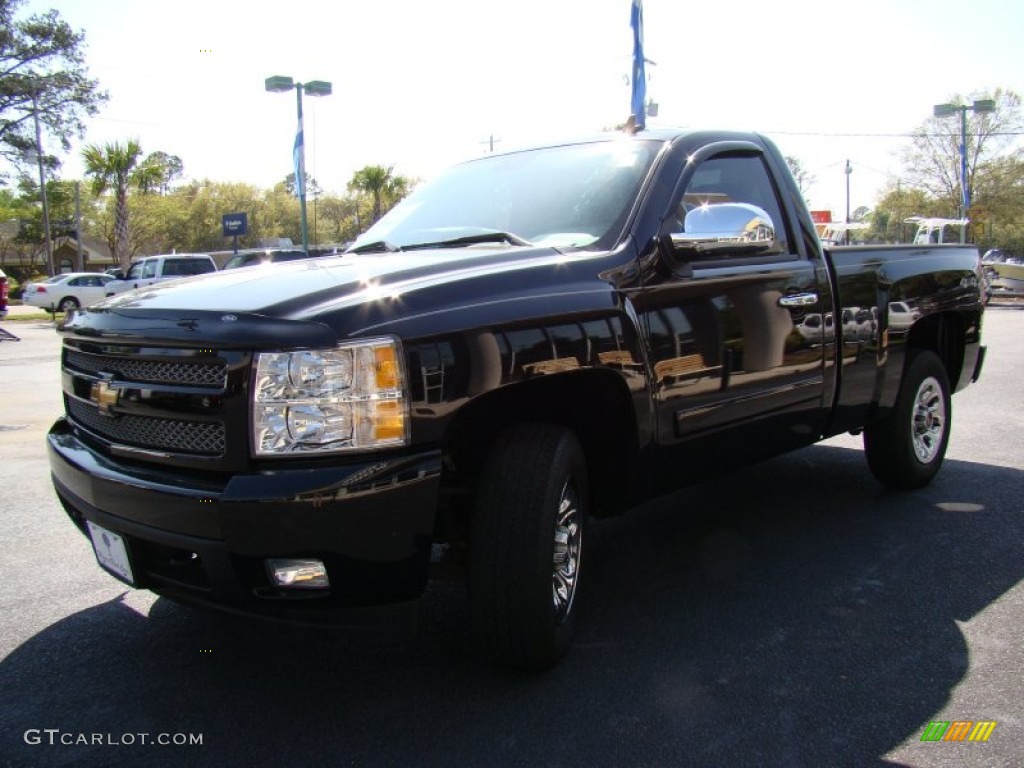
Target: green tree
802,178
998,205
60,196
383,186
171,169
21,245
42,72
899,203
190,217
930,179
313,189
116,167
341,214
933,158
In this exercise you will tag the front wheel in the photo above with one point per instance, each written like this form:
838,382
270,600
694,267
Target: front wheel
905,449
527,544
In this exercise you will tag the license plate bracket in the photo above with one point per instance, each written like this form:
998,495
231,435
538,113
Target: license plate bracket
111,552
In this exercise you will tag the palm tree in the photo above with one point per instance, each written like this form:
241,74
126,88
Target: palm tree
116,167
381,184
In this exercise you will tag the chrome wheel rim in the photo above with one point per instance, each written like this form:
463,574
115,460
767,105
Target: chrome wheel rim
566,559
929,420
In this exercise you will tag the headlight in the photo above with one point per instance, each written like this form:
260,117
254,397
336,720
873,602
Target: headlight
348,398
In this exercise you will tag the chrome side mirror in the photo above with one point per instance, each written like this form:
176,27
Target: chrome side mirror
725,229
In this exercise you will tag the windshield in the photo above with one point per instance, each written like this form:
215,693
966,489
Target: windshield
569,196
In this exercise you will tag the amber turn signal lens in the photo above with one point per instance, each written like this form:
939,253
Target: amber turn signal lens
386,368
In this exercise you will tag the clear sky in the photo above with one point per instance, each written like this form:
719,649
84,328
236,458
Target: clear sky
420,84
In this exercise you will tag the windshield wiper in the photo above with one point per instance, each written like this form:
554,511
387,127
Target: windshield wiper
483,237
377,246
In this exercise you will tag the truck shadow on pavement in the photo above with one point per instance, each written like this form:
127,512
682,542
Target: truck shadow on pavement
793,614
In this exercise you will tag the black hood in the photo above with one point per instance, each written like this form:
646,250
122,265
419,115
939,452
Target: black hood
346,295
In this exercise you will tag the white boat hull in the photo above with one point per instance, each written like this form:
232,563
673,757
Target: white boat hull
1008,279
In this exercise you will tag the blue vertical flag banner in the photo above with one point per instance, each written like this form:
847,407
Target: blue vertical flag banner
299,159
636,21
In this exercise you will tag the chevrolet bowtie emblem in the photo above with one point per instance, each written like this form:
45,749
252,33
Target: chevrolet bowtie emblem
105,396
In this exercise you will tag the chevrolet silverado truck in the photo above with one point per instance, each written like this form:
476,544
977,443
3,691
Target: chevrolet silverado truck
530,341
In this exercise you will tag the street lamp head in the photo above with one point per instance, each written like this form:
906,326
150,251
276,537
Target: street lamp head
317,88
279,84
980,106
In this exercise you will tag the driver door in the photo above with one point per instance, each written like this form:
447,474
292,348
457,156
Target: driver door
733,374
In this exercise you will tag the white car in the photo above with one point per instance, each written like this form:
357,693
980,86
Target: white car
70,290
901,316
817,328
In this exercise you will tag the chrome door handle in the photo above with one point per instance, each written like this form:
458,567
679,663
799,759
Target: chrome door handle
798,300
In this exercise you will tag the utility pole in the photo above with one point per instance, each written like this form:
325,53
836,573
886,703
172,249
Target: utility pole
42,185
78,225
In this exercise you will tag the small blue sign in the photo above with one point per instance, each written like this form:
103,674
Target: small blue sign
235,224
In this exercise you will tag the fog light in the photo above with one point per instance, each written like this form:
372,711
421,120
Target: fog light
298,574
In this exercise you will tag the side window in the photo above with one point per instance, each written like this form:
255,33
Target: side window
186,267
734,179
135,271
149,270
172,268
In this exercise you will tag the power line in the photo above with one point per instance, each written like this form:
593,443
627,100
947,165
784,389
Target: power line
883,135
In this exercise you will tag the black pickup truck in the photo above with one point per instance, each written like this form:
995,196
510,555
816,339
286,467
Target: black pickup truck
529,341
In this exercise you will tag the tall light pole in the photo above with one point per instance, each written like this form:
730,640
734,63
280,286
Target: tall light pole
847,171
980,106
280,84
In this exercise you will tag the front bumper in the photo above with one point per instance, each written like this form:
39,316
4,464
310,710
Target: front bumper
979,364
203,540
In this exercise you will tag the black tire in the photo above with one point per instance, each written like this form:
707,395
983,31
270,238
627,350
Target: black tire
523,586
905,449
67,304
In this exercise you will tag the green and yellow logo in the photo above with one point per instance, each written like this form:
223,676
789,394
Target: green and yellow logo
958,730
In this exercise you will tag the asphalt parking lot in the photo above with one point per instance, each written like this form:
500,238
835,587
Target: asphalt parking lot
795,615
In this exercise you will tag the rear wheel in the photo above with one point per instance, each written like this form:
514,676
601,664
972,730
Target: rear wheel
67,304
527,544
906,448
